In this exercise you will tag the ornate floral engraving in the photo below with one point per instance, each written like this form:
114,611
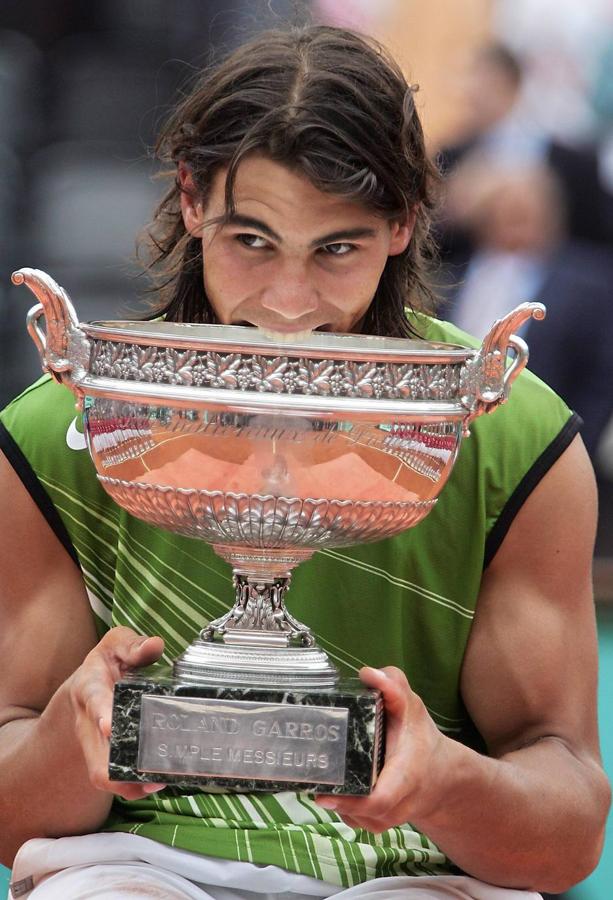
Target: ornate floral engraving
276,374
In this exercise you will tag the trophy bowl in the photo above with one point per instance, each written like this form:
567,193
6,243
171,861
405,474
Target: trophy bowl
268,452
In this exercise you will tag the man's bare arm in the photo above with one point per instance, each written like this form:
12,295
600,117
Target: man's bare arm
52,757
532,814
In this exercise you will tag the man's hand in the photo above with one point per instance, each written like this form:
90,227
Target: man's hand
414,752
91,694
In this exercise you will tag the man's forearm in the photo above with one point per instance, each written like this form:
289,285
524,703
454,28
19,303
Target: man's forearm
44,786
533,819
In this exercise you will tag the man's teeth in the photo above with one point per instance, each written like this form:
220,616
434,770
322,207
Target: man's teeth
286,337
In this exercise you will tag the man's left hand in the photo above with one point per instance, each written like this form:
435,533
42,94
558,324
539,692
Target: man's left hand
414,759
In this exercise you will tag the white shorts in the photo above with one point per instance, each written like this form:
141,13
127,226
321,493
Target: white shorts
119,866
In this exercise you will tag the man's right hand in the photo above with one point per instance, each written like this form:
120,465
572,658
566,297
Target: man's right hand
91,694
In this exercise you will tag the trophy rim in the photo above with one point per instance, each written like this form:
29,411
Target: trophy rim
246,340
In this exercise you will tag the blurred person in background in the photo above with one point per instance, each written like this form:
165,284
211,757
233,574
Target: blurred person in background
518,226
499,131
305,152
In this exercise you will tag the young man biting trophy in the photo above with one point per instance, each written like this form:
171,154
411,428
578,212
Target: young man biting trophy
300,201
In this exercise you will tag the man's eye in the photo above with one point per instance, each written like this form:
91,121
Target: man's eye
340,249
252,240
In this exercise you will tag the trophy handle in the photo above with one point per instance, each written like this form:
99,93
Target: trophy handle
62,346
487,378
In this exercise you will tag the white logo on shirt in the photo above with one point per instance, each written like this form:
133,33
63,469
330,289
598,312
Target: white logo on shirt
75,438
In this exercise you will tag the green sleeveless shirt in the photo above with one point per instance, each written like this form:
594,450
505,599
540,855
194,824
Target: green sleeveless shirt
410,602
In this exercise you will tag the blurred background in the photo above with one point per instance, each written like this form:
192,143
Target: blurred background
516,97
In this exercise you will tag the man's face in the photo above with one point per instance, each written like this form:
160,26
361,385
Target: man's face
291,259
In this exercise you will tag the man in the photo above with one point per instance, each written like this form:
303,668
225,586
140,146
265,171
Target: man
502,131
301,202
517,223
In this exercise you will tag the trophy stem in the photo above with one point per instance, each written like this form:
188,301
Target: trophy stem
258,641
259,615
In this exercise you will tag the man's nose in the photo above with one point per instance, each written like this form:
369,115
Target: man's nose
292,295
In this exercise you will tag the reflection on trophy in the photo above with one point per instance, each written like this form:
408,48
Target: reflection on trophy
268,452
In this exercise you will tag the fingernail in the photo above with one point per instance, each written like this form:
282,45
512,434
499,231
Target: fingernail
378,671
152,788
327,802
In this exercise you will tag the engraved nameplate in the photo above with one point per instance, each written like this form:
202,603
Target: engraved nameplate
242,739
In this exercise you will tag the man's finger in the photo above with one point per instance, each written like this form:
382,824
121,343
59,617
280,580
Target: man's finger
393,784
361,824
131,790
145,652
127,649
393,685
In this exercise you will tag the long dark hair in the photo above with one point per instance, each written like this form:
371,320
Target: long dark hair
323,101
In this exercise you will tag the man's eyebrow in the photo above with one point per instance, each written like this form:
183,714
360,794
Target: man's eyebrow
345,234
250,222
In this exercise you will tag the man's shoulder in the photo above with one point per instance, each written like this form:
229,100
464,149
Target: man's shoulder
44,422
44,395
439,330
525,424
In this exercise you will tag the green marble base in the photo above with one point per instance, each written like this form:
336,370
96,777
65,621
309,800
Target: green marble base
209,737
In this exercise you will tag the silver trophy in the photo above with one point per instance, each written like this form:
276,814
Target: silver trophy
268,452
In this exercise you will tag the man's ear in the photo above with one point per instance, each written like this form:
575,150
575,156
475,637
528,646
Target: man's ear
191,207
401,233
